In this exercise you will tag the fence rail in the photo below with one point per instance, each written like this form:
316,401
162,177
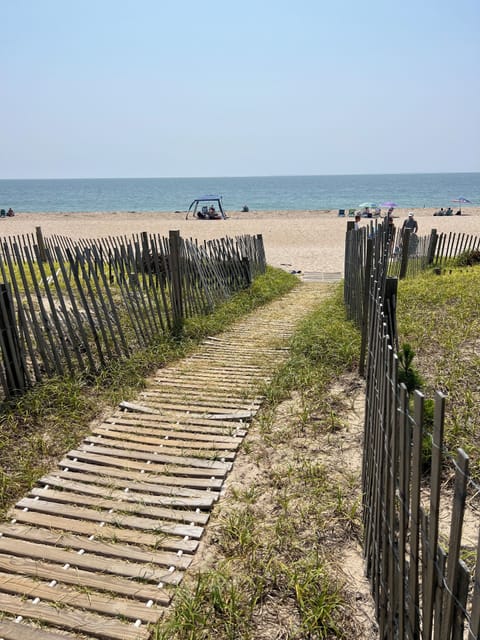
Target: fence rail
421,585
71,305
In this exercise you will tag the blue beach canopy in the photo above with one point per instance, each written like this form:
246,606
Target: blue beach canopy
207,198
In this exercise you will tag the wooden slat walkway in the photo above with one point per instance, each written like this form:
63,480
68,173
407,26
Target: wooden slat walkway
96,549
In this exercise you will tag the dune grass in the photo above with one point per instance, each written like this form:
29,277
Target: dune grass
438,316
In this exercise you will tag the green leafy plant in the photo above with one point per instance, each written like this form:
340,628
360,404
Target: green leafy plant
407,373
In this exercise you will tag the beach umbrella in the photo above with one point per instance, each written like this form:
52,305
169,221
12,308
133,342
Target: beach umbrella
462,200
389,204
368,205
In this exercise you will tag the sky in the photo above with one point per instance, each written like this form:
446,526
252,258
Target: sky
180,88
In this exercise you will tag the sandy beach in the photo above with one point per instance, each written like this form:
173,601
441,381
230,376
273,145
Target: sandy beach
294,240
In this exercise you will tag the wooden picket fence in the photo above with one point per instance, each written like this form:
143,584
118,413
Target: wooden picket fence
402,255
69,306
451,245
421,586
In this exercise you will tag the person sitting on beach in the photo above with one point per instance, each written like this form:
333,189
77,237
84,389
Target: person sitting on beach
449,211
212,213
10,213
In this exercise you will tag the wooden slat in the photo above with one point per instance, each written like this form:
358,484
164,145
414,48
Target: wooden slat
138,481
198,402
133,522
111,550
171,445
82,578
152,435
92,485
121,502
173,390
104,532
88,561
182,418
70,619
66,596
21,631
97,456
201,410
186,461
205,427
190,382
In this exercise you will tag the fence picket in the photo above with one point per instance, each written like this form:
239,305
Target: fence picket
435,485
453,556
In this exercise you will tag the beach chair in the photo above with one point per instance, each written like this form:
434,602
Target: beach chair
341,212
351,213
3,213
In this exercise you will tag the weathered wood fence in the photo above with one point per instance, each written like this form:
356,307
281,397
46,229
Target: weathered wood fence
402,255
69,306
421,585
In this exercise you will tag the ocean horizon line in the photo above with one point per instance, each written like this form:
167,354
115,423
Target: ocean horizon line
273,175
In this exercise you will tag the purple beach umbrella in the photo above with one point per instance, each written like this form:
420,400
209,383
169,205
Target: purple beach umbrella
462,200
389,204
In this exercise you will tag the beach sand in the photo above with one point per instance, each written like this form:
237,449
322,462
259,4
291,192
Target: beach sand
303,241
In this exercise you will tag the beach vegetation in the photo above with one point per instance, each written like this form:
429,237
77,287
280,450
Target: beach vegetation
407,374
438,317
468,258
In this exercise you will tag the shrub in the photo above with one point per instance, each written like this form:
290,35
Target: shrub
468,258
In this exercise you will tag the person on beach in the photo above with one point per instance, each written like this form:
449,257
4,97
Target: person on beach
357,221
410,223
390,224
10,213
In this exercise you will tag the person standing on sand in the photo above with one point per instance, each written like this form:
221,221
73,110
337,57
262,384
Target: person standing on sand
410,223
390,224
357,222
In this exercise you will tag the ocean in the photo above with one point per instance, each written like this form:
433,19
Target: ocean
258,193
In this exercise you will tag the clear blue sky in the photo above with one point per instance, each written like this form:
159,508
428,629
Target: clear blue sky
160,88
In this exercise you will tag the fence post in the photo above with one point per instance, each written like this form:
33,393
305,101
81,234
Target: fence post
350,225
247,271
432,245
391,287
10,344
366,302
176,282
405,243
41,244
